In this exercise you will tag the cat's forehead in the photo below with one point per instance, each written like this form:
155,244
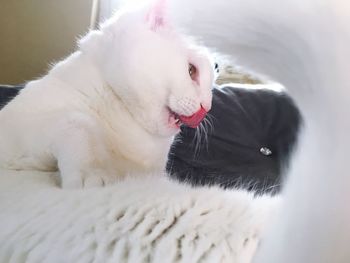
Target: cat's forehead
134,33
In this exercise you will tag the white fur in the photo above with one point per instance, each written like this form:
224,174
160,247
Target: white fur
145,219
102,112
305,45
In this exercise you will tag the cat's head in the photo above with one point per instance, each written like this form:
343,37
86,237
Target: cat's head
163,79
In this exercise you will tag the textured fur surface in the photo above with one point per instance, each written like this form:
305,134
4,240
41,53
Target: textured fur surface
305,45
145,219
111,108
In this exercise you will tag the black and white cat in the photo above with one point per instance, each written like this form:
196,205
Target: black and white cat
305,45
112,107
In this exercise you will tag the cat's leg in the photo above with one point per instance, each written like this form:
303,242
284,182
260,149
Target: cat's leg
82,155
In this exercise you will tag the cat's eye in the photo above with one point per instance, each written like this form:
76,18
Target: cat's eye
192,70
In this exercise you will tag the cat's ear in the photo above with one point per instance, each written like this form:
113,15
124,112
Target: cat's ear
156,16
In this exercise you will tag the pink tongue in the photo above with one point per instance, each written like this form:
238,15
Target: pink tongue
194,120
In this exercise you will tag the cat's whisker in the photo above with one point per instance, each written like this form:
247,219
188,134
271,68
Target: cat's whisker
197,140
209,121
205,131
201,135
209,128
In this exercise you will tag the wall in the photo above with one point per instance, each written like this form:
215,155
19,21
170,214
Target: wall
35,33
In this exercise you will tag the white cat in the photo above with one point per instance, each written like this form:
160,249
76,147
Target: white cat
305,45
112,107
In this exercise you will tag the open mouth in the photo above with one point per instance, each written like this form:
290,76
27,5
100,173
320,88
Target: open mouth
191,121
174,118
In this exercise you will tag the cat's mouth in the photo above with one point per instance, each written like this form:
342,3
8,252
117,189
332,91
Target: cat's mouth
174,119
192,121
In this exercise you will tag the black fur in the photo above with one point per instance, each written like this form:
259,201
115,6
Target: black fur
244,122
7,93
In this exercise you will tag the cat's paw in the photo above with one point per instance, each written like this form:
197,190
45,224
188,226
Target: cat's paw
90,179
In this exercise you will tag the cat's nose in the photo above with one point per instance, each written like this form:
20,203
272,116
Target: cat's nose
206,105
206,98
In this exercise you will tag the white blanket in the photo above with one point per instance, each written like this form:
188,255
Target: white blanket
148,219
